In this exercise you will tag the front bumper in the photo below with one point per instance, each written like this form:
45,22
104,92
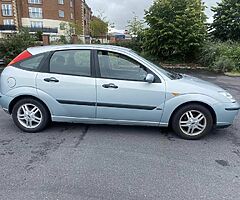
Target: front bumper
226,113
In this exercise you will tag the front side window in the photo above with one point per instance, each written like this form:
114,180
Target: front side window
35,1
8,22
118,66
71,62
7,10
35,12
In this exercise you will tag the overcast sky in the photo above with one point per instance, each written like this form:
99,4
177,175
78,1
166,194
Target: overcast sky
120,11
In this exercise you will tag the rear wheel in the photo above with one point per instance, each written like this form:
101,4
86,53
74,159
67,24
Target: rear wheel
192,121
30,115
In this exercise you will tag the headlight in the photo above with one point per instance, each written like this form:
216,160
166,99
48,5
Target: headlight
228,96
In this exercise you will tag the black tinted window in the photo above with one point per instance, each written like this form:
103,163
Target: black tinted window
32,63
118,66
72,62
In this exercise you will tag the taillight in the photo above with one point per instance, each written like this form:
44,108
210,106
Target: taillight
22,56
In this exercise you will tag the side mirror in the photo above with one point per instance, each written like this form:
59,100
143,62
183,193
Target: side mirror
149,78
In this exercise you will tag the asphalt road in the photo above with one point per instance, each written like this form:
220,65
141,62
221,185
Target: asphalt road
89,162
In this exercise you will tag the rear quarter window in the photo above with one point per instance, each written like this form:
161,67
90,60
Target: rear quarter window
33,63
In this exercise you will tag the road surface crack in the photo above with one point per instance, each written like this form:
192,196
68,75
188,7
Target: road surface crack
82,136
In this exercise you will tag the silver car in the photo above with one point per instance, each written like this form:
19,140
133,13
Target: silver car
109,85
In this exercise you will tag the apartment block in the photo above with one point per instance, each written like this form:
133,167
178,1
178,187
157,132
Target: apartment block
44,15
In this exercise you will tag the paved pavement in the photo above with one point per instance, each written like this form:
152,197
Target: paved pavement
89,162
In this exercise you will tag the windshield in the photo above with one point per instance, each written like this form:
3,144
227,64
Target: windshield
170,74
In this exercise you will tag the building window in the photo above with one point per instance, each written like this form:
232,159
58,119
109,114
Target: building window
7,10
71,15
71,3
35,1
61,13
61,2
36,24
8,22
35,12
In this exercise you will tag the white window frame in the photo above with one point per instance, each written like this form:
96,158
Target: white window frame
61,2
35,12
61,13
35,1
36,24
7,10
8,22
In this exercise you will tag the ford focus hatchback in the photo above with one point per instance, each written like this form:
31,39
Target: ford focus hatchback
109,85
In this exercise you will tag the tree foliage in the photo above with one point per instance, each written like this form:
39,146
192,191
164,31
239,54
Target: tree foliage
226,24
135,26
70,29
176,27
98,26
14,44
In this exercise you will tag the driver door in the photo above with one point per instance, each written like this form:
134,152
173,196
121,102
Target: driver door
122,92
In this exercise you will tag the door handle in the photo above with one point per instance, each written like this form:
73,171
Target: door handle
52,79
110,85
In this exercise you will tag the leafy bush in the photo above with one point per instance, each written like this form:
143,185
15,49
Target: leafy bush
14,44
221,56
135,45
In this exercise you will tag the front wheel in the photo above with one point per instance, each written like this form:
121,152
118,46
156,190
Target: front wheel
30,115
192,122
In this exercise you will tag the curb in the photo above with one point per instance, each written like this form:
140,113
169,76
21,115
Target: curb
232,75
191,68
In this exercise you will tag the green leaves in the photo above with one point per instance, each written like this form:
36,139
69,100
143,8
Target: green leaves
15,43
176,27
99,27
226,24
221,56
135,26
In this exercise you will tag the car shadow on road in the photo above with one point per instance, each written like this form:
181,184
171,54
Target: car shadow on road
140,131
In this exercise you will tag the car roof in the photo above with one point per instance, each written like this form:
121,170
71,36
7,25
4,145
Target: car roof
43,49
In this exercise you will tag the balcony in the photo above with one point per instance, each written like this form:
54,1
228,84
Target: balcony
44,30
8,28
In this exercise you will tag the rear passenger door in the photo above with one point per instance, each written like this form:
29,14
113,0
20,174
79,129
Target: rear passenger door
68,80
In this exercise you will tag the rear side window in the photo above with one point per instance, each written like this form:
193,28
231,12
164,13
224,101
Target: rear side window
71,62
31,64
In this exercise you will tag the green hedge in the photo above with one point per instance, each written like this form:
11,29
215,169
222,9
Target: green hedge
221,56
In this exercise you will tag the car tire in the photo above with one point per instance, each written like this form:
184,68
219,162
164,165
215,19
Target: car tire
30,115
192,122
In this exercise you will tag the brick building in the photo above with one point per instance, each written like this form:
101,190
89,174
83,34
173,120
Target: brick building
44,15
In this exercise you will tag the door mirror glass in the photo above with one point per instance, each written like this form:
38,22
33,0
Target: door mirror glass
149,78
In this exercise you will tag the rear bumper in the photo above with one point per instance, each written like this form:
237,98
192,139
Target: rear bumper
4,102
226,113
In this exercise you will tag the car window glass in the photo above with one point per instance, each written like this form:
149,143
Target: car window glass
32,63
72,62
118,66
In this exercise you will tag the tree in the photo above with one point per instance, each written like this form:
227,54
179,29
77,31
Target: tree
98,26
14,44
135,26
70,29
176,27
226,24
